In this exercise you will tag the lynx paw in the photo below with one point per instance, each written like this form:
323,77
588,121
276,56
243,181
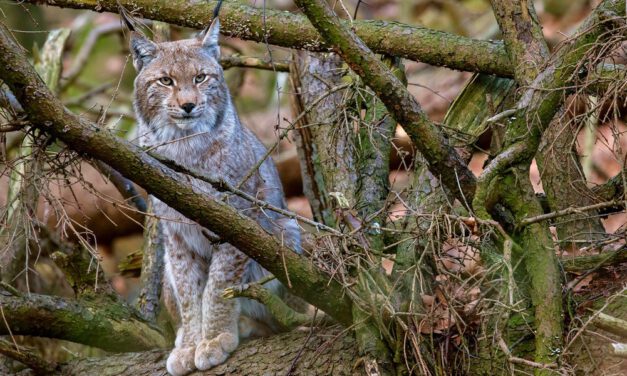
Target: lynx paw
211,352
181,361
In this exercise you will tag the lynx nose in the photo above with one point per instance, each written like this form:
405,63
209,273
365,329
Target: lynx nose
188,107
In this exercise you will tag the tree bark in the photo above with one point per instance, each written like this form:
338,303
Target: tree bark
300,352
294,31
98,322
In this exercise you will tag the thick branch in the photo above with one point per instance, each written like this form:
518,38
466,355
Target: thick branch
443,159
329,352
152,267
527,48
523,37
291,30
85,137
100,323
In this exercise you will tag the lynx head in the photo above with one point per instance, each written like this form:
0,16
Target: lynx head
180,85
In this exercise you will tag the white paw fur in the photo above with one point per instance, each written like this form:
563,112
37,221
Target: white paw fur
212,352
181,361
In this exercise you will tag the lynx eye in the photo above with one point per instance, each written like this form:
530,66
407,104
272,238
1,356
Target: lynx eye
165,81
200,78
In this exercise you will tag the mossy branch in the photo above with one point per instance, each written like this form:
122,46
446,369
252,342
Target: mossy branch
101,323
444,162
294,31
285,315
587,263
611,324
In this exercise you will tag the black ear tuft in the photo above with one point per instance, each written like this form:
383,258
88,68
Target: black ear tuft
126,17
209,36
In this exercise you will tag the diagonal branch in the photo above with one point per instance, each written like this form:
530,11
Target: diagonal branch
45,110
444,162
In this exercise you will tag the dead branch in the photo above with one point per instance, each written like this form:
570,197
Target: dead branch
28,358
611,324
588,263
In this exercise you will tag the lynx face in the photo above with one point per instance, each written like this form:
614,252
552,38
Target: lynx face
180,85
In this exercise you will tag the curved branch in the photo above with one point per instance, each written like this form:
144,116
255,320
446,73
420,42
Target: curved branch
294,31
49,115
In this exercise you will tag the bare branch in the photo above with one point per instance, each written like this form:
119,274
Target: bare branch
571,210
27,357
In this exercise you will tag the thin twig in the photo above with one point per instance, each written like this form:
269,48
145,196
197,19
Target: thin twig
285,132
27,357
223,186
568,211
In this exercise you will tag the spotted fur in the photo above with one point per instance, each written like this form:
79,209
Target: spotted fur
185,113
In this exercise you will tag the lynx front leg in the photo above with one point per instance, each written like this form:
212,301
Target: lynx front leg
187,275
220,316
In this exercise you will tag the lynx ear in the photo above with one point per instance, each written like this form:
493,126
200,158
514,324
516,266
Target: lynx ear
210,38
142,49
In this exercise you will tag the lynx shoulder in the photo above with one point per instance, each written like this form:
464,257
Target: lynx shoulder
185,112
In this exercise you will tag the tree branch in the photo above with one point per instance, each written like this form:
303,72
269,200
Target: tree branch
100,323
588,263
27,357
48,114
293,31
328,352
444,162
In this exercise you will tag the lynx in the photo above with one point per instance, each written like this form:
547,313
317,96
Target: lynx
185,113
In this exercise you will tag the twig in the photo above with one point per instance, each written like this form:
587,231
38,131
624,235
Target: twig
502,115
270,150
236,61
27,357
567,211
85,52
517,360
223,186
123,185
